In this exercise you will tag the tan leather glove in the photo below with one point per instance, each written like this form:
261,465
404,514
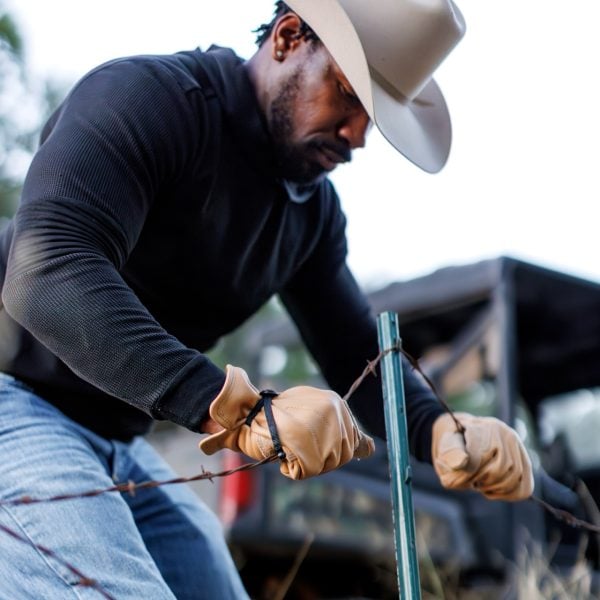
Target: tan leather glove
316,428
493,460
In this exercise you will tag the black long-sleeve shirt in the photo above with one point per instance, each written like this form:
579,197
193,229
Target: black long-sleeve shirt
152,222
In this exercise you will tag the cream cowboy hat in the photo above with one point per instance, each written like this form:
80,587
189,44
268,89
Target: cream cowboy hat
388,50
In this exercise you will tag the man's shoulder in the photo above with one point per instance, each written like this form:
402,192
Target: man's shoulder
165,69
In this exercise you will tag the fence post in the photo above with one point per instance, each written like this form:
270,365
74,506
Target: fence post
407,566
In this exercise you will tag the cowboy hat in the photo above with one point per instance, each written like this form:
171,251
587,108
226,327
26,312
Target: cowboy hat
388,50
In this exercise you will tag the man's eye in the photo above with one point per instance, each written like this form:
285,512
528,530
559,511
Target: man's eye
350,96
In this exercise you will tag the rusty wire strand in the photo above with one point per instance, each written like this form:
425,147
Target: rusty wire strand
414,363
82,579
566,516
131,487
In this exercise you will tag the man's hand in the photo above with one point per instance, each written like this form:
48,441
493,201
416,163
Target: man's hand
491,458
317,431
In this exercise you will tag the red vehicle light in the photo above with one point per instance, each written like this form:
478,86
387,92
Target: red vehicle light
237,490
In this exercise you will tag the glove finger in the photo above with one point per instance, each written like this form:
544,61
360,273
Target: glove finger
255,442
452,454
507,494
527,480
521,489
456,480
500,483
516,483
365,446
292,469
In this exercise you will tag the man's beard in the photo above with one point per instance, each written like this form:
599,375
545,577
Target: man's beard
293,159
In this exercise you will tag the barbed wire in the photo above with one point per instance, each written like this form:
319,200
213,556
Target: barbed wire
131,487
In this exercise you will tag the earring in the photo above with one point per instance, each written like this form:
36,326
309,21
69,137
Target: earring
279,54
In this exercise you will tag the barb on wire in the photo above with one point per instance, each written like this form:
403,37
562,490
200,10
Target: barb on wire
131,487
369,370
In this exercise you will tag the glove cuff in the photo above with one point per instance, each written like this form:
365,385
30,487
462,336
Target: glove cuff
235,400
229,409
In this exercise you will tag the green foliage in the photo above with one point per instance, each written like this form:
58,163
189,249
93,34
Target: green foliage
245,348
10,38
238,348
23,108
11,47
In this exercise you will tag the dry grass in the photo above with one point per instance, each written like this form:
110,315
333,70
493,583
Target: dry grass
534,579
531,578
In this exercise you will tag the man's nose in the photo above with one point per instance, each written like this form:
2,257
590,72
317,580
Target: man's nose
354,128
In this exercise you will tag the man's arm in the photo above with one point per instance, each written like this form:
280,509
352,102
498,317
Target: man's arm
120,135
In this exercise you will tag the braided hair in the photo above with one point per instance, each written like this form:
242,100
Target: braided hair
281,8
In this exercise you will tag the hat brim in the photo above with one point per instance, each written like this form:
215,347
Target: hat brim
419,128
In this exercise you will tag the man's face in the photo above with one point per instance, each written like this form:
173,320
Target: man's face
315,118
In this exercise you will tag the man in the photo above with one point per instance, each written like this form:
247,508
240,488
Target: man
169,199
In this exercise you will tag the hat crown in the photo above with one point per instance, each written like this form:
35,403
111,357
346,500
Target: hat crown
404,41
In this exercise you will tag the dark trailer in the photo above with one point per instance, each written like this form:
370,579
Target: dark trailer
548,323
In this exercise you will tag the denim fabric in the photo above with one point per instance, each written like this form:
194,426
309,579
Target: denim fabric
160,543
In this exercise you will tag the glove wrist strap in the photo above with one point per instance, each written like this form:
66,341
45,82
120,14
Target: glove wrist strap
266,398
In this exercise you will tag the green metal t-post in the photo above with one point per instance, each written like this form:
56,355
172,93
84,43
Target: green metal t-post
407,565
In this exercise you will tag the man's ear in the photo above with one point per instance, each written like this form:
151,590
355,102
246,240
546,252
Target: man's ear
286,36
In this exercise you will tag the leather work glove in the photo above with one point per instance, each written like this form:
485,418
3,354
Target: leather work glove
491,458
311,430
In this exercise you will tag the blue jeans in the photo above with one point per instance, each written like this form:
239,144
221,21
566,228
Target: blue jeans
161,543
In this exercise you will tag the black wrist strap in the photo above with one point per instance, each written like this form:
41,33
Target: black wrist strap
266,398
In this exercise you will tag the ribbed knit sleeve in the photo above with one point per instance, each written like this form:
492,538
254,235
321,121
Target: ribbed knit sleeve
122,132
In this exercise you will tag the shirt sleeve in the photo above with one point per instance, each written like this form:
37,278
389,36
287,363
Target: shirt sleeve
338,327
121,132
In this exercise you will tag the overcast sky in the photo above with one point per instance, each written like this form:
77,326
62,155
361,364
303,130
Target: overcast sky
523,176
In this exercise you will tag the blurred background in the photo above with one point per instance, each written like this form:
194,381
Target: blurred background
522,181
